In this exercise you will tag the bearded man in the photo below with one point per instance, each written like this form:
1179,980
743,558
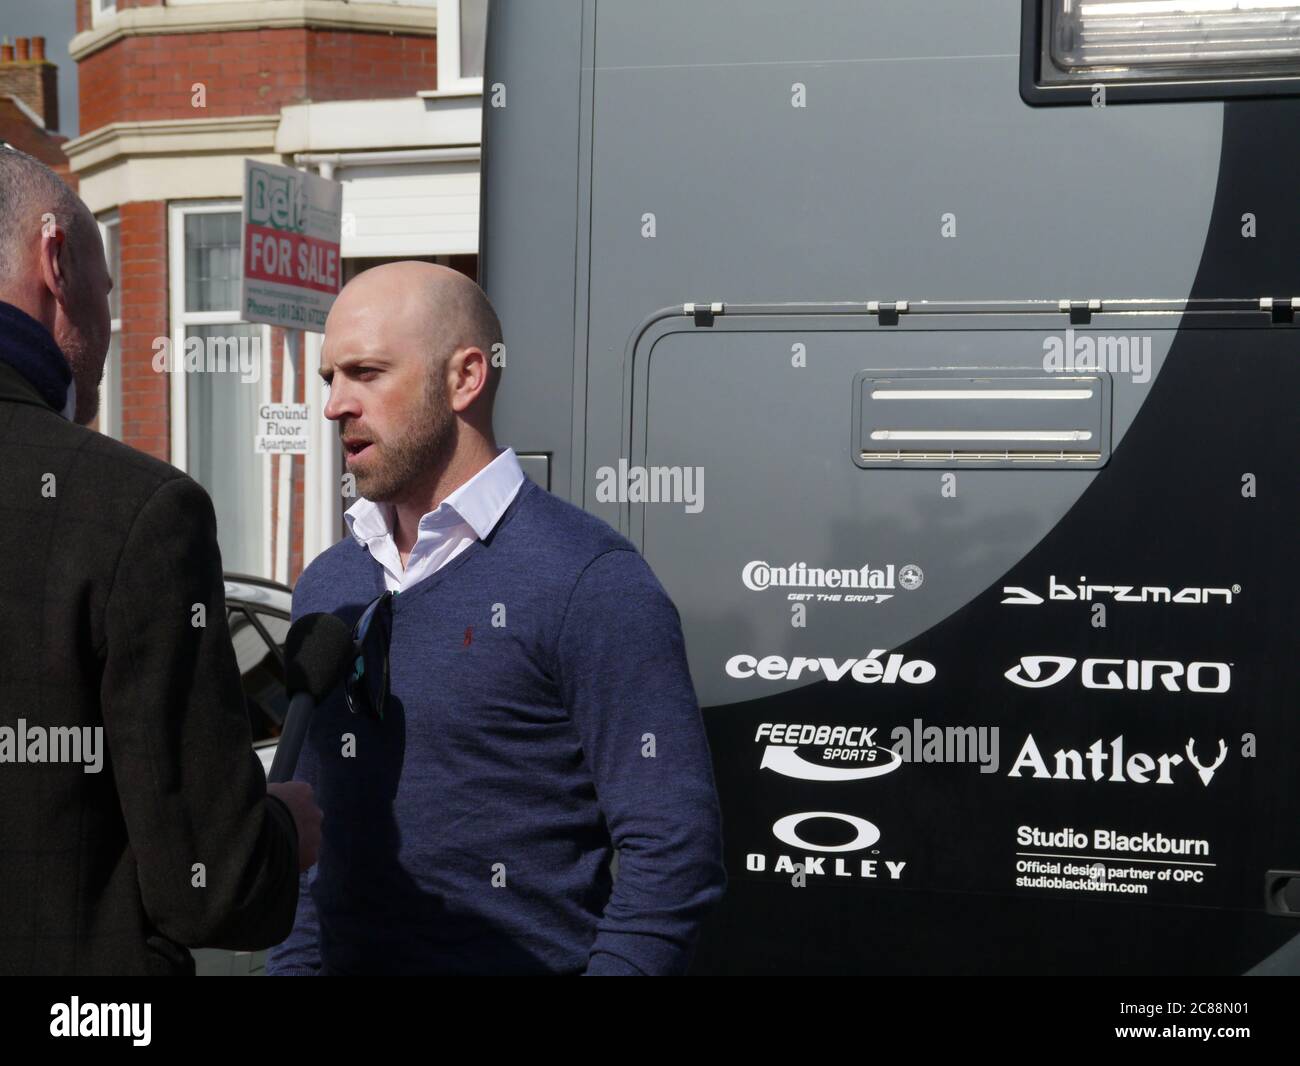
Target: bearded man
521,707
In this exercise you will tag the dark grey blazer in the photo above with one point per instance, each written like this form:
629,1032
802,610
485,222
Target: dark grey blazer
104,554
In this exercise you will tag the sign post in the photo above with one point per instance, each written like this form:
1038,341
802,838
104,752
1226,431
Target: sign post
291,235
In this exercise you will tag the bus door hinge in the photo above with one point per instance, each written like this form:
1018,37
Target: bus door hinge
704,314
1282,309
1080,311
887,312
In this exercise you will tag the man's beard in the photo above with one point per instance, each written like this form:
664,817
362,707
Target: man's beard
87,373
425,443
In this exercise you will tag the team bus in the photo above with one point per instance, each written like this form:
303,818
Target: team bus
941,359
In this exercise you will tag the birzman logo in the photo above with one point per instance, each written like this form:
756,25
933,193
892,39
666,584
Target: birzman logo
1018,596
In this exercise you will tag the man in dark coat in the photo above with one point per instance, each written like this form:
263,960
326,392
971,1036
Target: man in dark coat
136,821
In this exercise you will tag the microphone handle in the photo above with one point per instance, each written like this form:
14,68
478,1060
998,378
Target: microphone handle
285,761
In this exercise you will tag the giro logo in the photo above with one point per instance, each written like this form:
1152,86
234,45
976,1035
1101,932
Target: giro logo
786,830
1018,596
867,671
1133,675
1028,673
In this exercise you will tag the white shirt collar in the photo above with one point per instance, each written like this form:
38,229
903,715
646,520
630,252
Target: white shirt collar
480,503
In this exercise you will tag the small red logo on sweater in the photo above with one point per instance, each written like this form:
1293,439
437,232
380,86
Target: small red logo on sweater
469,636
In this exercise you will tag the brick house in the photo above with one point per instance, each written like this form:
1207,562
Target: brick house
383,96
29,104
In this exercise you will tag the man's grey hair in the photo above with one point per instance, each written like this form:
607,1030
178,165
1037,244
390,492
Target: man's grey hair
28,190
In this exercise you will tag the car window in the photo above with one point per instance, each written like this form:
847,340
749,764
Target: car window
261,670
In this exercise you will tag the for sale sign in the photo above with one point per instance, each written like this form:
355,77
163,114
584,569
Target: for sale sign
292,224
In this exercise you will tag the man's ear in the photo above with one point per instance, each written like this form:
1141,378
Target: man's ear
468,370
53,258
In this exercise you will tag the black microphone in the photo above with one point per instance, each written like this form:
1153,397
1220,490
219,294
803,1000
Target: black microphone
317,654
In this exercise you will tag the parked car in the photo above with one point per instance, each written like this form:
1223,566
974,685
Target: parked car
257,612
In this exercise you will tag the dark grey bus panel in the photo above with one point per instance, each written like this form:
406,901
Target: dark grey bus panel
1058,596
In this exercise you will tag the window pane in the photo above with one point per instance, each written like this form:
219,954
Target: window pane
473,29
212,268
113,256
222,424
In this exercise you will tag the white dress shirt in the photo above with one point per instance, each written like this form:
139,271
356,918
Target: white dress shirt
466,515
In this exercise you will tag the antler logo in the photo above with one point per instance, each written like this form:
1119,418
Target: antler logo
1028,673
1206,772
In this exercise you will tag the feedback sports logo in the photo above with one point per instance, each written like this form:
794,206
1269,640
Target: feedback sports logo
854,753
848,753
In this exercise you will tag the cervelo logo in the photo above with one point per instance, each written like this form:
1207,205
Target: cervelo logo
1138,675
1018,596
850,753
866,671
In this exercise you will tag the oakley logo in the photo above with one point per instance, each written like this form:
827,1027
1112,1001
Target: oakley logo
786,830
1133,675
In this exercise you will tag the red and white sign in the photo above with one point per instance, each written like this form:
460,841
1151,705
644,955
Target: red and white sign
292,225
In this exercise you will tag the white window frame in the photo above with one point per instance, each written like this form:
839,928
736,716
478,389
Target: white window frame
449,79
180,319
110,385
100,14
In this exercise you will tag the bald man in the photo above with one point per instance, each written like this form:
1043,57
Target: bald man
523,706
136,819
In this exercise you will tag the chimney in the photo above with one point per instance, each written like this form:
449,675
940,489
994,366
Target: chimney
25,73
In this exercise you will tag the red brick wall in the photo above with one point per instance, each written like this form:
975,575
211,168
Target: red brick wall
35,83
145,403
247,72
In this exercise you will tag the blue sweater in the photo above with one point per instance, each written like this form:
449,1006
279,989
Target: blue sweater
471,831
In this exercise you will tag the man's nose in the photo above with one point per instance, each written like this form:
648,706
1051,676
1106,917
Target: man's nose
340,404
